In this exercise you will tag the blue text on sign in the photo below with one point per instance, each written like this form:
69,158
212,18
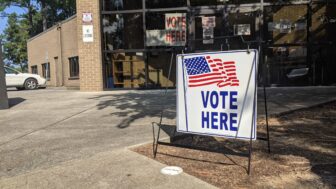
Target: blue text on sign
224,100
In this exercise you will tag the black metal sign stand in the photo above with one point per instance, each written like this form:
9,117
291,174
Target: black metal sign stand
156,137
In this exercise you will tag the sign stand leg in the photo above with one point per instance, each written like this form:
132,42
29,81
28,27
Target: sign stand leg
261,60
250,157
156,139
265,99
267,126
252,123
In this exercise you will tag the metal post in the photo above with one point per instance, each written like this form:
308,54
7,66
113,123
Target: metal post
250,154
3,89
254,116
267,127
156,139
261,60
145,56
309,46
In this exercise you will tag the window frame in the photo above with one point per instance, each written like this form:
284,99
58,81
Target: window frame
34,68
111,38
12,71
73,74
211,9
44,69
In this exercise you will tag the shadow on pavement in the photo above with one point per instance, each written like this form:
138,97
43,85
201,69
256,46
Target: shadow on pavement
302,143
15,101
311,137
300,137
134,106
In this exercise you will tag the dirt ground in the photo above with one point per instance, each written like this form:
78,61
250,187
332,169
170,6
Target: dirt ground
303,154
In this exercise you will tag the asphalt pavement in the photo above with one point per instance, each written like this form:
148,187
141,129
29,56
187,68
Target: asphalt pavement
56,138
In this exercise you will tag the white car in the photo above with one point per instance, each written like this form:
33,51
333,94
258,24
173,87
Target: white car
24,80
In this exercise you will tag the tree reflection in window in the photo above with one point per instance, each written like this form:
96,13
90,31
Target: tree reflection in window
113,5
113,31
118,4
152,4
123,31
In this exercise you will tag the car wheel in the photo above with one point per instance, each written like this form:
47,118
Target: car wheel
30,84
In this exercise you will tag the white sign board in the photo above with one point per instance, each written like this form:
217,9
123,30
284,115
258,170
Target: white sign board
208,25
176,29
217,94
87,18
87,33
208,21
208,35
242,29
175,33
176,21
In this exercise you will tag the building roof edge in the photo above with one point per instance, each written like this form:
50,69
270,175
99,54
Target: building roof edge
53,27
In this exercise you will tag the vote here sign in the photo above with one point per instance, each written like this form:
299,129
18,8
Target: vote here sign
217,94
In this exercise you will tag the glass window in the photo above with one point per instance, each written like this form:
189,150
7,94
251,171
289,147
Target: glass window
232,24
10,71
34,70
46,71
219,2
112,5
324,23
123,31
203,2
284,1
155,21
74,67
286,24
287,66
165,3
158,70
125,70
162,33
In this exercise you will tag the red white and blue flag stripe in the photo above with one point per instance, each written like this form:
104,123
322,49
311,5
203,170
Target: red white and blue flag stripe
204,70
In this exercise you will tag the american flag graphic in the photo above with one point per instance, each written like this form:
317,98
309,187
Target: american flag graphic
204,70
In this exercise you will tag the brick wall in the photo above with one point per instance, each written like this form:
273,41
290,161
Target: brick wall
90,57
49,46
69,49
44,48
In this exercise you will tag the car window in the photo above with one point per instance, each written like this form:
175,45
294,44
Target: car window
10,71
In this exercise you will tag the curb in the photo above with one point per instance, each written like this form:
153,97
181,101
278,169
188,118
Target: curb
276,115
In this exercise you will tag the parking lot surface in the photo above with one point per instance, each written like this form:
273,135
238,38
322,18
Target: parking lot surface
56,138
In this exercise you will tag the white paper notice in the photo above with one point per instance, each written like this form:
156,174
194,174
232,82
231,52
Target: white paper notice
87,33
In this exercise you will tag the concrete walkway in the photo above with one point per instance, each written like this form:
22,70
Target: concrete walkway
284,100
113,169
69,139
